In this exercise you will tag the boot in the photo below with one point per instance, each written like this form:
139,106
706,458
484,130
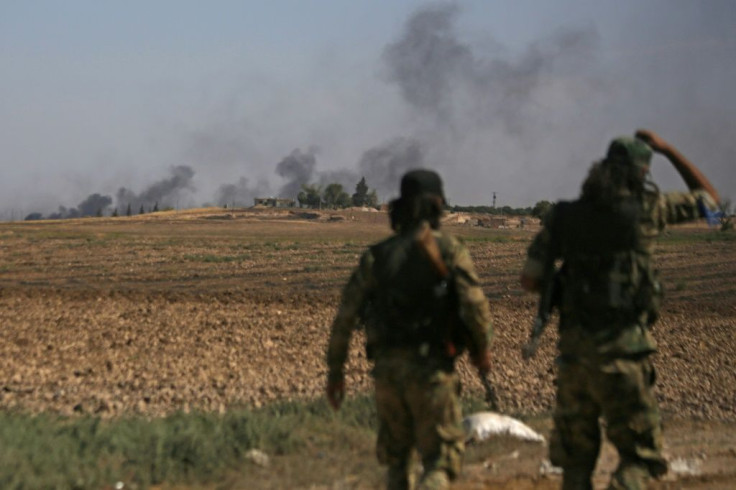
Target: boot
574,478
630,476
434,480
398,478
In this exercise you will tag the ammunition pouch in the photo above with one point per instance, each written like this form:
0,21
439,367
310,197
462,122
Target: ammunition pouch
608,277
612,301
432,329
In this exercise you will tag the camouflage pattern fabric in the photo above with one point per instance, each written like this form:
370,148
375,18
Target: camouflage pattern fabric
657,211
619,389
416,391
473,305
604,366
418,407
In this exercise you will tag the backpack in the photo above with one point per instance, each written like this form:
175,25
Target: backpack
607,275
411,306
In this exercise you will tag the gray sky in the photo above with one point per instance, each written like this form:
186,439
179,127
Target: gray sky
201,102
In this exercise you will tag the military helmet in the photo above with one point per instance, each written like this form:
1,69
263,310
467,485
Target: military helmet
627,150
417,182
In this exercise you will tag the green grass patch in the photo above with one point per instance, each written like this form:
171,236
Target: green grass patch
244,246
711,236
721,236
308,444
282,246
45,451
493,239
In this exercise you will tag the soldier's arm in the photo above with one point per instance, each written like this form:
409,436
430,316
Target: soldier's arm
678,207
474,308
693,177
353,298
538,254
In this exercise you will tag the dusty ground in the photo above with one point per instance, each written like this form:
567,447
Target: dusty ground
218,309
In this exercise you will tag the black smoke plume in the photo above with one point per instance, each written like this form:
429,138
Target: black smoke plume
164,193
441,76
94,205
298,169
427,59
347,178
241,194
384,165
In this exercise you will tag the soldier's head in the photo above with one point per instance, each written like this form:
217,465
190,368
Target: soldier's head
625,167
422,199
629,158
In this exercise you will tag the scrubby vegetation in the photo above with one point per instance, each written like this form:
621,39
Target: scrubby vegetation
48,451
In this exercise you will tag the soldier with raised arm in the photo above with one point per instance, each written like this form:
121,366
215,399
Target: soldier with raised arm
609,300
417,295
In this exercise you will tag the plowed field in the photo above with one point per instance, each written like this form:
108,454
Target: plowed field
223,308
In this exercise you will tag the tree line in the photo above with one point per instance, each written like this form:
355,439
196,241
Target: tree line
99,212
333,196
538,210
330,196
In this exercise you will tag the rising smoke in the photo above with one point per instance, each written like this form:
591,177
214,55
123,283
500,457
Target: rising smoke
164,193
457,95
534,119
444,78
524,120
300,168
384,165
297,169
427,60
241,194
93,205
489,112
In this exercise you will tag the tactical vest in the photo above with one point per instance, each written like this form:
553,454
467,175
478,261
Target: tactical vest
410,306
607,276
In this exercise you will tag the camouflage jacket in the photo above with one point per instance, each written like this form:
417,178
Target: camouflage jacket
603,332
363,283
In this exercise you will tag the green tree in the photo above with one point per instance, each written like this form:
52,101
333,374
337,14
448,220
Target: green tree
309,196
371,199
128,212
541,208
115,213
361,193
335,197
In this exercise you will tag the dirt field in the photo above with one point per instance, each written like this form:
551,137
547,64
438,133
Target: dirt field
224,308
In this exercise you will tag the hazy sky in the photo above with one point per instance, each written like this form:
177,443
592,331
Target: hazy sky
197,102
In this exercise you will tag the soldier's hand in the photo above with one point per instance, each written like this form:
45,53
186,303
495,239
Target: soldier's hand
482,362
656,142
335,392
529,349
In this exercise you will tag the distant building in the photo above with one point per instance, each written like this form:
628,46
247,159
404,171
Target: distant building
493,222
274,202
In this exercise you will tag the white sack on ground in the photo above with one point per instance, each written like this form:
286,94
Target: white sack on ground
484,425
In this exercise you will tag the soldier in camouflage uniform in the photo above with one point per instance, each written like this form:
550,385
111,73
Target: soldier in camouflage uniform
409,313
609,301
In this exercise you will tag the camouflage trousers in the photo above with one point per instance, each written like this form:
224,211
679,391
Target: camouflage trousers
418,408
619,390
